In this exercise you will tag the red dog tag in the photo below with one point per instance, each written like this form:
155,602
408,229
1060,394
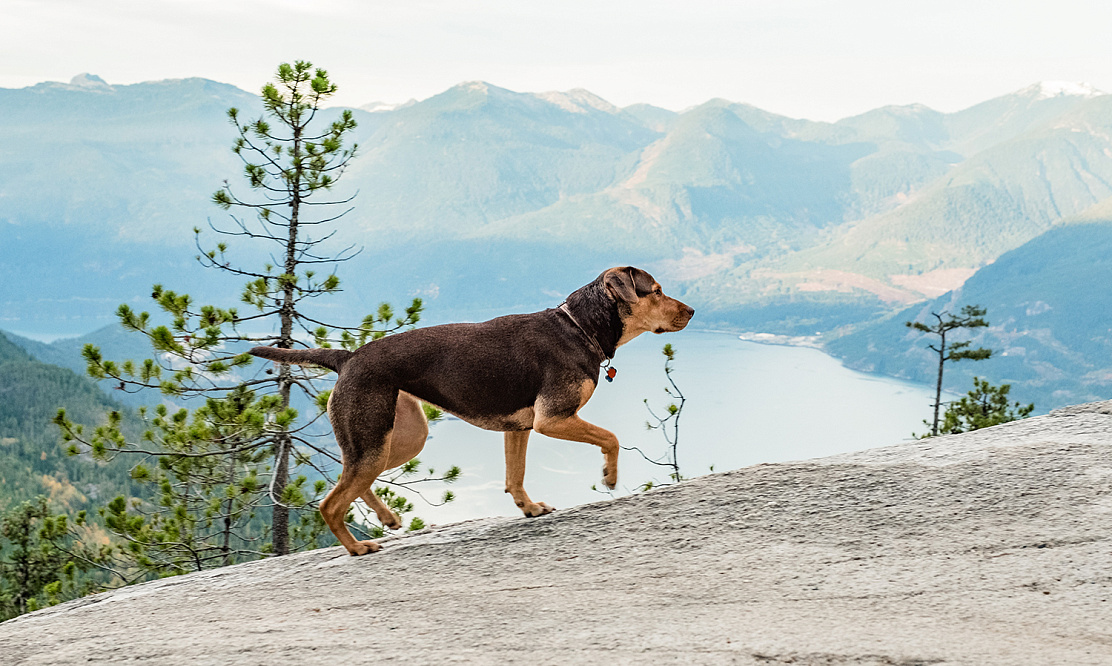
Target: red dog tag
610,372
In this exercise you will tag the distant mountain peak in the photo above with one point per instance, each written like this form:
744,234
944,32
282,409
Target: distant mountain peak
481,87
912,109
578,100
475,90
381,107
87,80
1051,89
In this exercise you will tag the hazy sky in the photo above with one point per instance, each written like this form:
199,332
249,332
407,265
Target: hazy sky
807,58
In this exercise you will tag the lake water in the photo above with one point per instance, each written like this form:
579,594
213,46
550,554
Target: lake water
747,403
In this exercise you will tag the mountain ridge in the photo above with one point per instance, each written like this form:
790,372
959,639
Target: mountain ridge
482,199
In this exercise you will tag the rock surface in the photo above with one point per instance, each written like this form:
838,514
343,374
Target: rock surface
993,547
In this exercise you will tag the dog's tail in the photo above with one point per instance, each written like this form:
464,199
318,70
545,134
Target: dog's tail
333,359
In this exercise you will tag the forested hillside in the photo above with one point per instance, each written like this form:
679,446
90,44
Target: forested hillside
33,460
1049,309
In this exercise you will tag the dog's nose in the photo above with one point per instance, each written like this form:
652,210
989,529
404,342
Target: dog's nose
690,311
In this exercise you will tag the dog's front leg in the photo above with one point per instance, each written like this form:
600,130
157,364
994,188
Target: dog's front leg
576,429
516,444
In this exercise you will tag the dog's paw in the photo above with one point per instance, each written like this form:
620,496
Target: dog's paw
364,547
610,477
393,522
537,509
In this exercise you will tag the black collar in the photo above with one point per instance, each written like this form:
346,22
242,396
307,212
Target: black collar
566,310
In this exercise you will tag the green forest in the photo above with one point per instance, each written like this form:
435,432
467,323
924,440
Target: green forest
33,459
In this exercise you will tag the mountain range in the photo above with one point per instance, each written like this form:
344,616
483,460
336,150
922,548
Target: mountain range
483,200
1048,309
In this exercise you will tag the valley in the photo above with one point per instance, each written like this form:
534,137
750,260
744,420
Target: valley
483,201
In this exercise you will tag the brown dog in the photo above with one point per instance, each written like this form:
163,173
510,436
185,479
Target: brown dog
511,374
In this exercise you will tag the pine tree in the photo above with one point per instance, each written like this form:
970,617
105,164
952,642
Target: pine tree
41,564
972,316
983,407
241,453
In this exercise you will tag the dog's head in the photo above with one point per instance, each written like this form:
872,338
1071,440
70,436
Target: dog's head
642,304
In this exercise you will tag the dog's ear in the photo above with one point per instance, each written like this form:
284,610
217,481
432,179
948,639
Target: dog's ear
619,282
642,281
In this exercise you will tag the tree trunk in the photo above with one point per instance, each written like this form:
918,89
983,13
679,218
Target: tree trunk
280,520
24,593
280,525
938,386
228,511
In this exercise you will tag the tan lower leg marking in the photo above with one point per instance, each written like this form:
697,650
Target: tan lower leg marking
406,440
576,429
354,480
385,514
516,444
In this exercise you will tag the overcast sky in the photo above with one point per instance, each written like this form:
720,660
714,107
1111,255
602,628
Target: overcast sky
806,58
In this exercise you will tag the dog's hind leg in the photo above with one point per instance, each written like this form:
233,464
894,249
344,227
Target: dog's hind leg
334,507
363,428
516,444
407,439
385,514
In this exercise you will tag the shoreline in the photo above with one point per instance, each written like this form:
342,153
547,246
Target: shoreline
774,339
